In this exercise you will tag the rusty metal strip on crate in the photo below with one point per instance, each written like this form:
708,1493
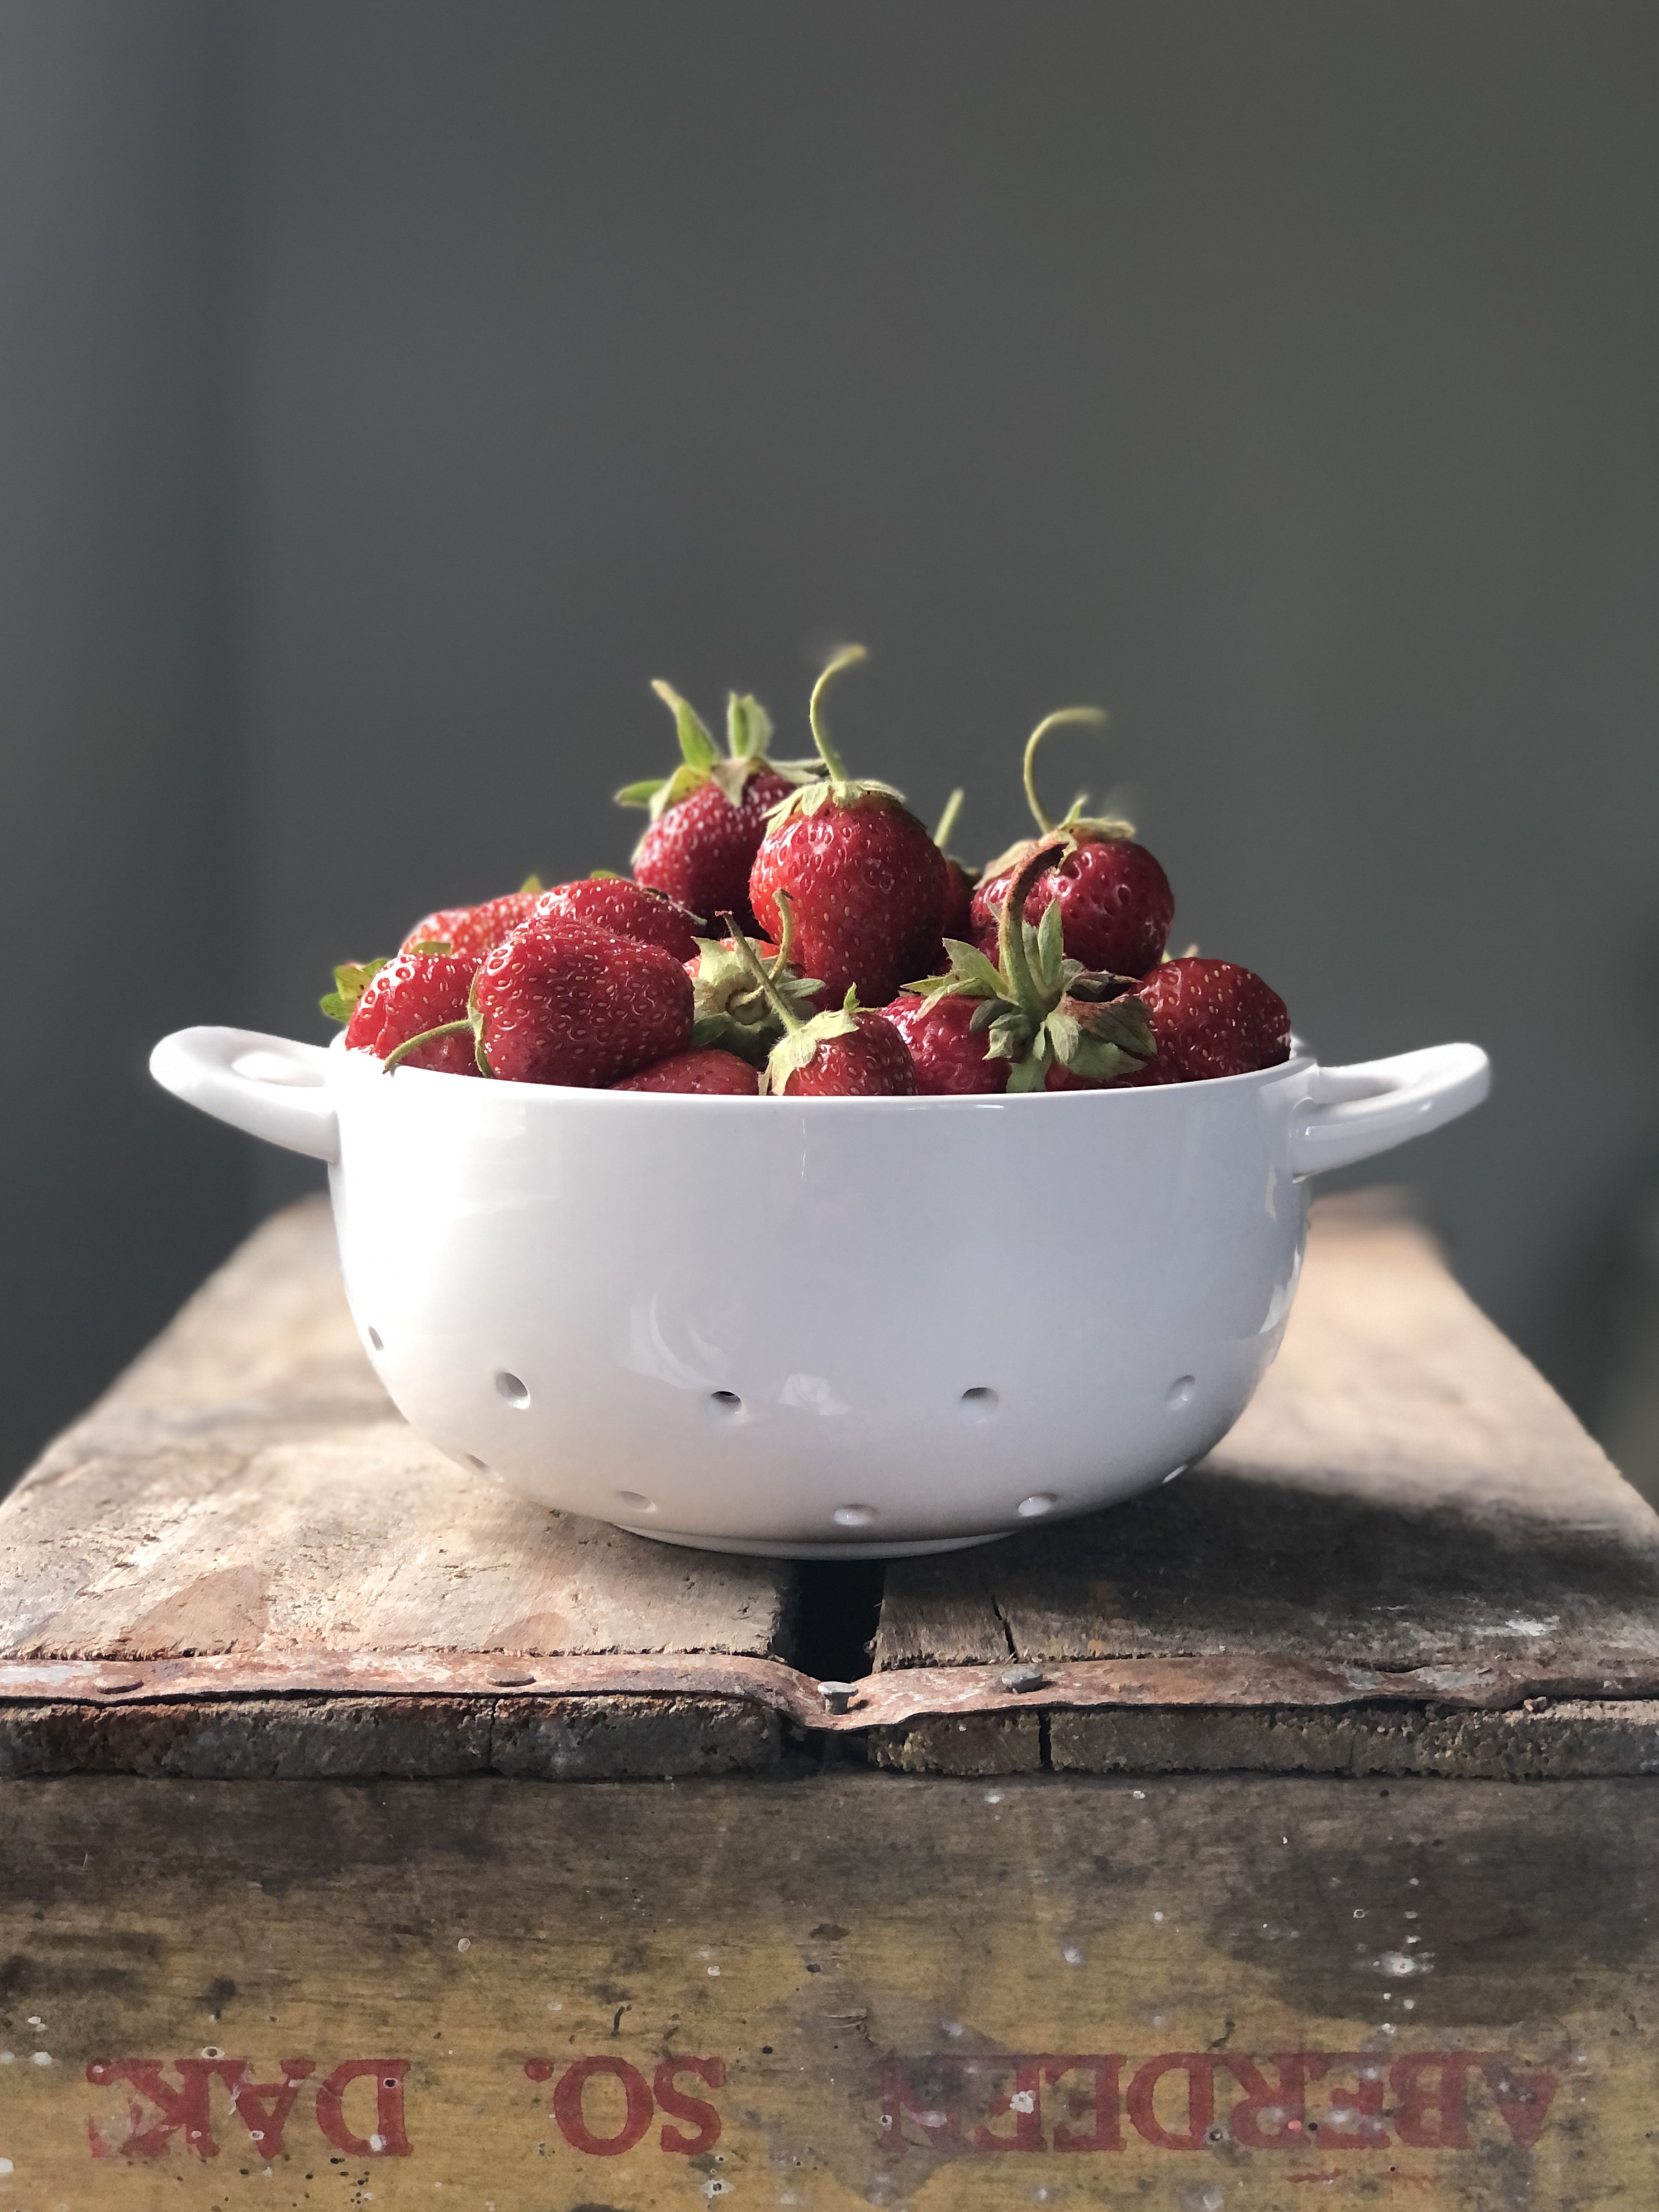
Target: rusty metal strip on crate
905,1695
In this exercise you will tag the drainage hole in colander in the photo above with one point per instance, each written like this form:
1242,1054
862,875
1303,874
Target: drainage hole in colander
377,1340
853,1516
1180,1392
510,1386
635,1501
978,1405
1039,1502
723,1405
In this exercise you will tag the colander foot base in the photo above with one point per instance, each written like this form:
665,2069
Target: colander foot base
779,1549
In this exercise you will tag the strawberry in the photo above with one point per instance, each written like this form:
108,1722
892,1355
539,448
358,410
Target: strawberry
1038,1008
606,901
852,1052
1115,899
708,1073
1210,1018
385,1004
867,881
951,1056
864,1059
477,929
561,1002
709,818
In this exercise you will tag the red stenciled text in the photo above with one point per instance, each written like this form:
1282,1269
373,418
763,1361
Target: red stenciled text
984,2103
179,2103
606,2106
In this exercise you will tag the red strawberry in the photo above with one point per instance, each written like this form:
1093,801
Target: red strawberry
710,1074
868,1059
1115,900
849,1053
709,818
386,1003
1211,1019
475,929
626,911
559,1002
1038,1008
950,1057
867,879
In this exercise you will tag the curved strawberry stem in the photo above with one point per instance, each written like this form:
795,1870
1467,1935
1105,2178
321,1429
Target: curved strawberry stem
947,821
1011,933
849,657
786,906
1095,714
757,968
394,1059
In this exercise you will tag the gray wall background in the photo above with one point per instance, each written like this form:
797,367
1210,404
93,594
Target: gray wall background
389,388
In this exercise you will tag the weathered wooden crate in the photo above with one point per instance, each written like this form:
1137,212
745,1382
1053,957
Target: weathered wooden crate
1281,1839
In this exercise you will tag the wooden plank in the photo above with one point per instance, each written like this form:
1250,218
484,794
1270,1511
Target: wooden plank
1406,1491
246,1487
1544,1740
1223,1995
364,1737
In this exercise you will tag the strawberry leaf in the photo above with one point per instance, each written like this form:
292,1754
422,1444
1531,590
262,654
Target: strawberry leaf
1124,1023
1064,1033
1030,1072
641,794
351,979
1047,951
1011,1033
697,746
748,727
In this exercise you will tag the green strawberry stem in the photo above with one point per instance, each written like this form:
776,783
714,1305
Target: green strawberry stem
849,657
786,906
801,1039
763,976
1011,933
1095,714
947,821
411,1044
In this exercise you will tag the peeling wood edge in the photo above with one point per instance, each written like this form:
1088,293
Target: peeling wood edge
906,1694
366,1737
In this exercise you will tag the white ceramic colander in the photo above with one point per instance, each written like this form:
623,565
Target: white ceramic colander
824,1327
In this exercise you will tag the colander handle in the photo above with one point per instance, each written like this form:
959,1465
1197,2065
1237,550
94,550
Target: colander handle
1350,1112
271,1086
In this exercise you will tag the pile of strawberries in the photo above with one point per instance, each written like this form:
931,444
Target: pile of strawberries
790,931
